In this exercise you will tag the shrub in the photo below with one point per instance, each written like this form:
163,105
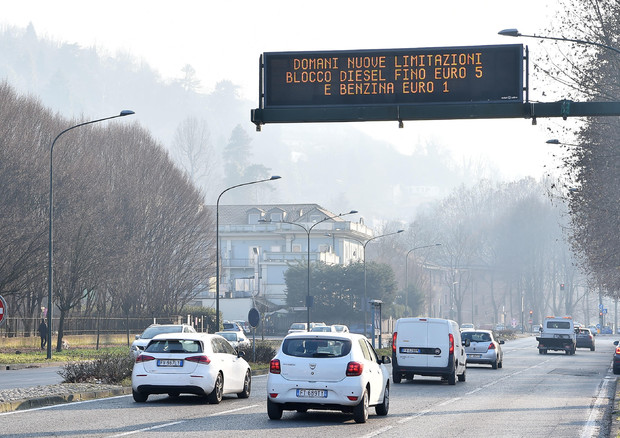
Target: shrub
264,352
111,368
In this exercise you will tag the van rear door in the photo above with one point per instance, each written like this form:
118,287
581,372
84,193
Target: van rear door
422,343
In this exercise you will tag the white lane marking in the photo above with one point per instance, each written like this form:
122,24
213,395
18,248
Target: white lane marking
72,403
590,429
159,426
146,429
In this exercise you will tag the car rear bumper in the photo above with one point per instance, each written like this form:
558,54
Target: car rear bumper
163,384
423,371
282,391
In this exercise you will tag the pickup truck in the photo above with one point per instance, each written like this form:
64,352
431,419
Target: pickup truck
557,334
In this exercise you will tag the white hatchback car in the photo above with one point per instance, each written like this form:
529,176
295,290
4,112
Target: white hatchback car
191,363
327,371
236,339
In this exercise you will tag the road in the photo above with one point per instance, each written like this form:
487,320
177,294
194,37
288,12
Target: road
26,377
533,395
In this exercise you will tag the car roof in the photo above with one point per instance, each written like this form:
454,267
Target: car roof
189,336
330,335
477,331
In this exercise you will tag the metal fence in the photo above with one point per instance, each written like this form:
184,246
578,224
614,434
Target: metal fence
20,327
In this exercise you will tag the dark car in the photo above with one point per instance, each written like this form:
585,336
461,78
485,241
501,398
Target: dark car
616,363
585,339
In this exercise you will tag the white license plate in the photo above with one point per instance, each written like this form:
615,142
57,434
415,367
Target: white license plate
169,362
474,356
314,393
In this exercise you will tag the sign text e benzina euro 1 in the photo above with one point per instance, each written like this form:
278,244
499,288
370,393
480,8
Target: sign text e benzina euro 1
394,76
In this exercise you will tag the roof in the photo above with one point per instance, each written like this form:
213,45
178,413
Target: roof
238,214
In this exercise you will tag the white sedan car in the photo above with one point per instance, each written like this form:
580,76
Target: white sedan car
236,339
192,363
327,371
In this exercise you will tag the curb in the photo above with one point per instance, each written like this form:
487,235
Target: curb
19,405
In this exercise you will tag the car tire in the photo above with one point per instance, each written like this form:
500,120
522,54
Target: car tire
494,365
215,397
500,364
383,408
274,410
462,377
396,377
592,348
247,385
452,377
139,397
616,370
360,411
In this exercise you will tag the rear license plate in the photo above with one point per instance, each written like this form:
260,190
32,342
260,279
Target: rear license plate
314,393
169,362
474,356
410,350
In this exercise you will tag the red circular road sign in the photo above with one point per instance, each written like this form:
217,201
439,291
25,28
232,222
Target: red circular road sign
2,310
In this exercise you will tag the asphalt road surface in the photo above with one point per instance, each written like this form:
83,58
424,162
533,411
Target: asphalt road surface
533,395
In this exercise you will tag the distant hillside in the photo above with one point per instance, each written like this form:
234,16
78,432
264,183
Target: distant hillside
334,165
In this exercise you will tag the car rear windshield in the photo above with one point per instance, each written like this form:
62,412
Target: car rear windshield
174,346
232,336
312,347
476,336
152,331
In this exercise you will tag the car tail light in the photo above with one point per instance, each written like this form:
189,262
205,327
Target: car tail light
144,358
352,397
451,339
491,346
617,350
354,369
274,366
394,343
199,359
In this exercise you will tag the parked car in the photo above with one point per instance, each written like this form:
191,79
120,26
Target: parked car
192,363
232,326
483,348
327,371
340,328
298,327
585,339
236,339
606,330
428,347
245,326
359,329
323,328
616,359
142,340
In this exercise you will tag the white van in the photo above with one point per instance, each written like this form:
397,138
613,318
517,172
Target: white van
428,347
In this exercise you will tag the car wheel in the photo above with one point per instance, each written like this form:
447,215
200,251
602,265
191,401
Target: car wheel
215,397
396,377
452,377
462,377
592,348
500,364
540,351
274,410
616,370
360,412
494,365
247,386
383,408
138,396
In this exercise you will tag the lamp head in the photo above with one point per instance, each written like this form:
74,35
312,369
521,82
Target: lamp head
509,32
553,141
126,113
274,177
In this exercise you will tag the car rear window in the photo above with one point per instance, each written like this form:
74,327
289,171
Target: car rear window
174,346
476,336
153,331
312,347
558,325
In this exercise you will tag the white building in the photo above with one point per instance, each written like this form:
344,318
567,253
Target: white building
258,242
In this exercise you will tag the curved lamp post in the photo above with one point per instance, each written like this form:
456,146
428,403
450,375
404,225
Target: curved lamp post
217,245
51,226
364,304
407,275
516,33
308,230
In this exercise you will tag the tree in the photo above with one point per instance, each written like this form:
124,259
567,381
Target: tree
193,151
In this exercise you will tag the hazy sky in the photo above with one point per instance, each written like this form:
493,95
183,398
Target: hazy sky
223,40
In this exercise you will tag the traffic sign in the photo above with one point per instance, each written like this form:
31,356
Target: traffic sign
253,317
3,311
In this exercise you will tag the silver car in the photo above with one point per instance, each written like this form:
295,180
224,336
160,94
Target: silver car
483,348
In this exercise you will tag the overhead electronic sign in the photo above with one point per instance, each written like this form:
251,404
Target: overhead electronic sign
392,77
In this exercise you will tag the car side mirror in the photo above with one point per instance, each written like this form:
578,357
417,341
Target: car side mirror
240,353
466,342
137,336
502,341
386,360
616,343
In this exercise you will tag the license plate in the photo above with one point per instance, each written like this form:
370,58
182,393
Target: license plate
474,356
410,350
169,362
314,393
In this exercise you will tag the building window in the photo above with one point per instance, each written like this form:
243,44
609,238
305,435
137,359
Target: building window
275,248
276,217
296,247
315,218
253,218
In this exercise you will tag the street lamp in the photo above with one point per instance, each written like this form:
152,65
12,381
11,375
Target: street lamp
217,245
407,276
364,304
516,33
308,230
51,226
